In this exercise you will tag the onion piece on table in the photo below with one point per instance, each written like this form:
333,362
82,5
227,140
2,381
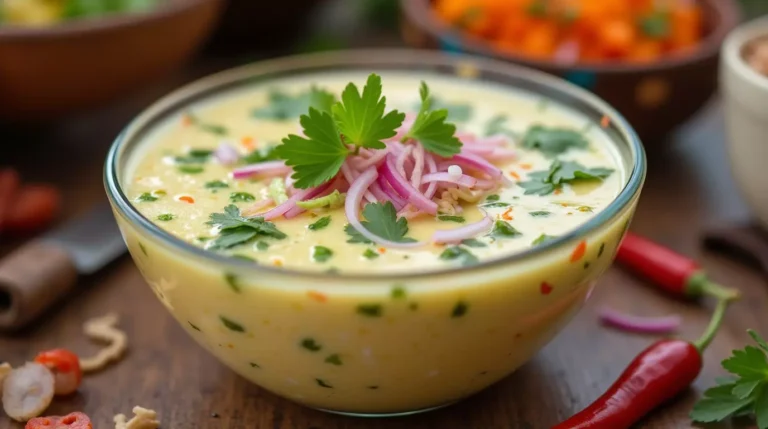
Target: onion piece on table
27,391
638,324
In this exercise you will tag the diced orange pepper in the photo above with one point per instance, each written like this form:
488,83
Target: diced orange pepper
579,251
317,296
187,199
248,143
506,215
514,174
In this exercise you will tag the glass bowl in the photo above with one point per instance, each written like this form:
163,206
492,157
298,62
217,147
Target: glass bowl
389,344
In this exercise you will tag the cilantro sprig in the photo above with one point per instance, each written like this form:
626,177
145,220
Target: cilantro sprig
235,229
744,394
545,182
553,141
431,130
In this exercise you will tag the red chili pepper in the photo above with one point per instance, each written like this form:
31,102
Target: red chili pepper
65,366
659,373
75,420
672,272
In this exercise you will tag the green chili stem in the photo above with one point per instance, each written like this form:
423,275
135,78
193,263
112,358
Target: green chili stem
714,324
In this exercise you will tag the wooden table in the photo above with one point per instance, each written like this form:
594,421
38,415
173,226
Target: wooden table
688,187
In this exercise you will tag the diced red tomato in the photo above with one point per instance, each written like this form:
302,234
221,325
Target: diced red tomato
65,367
75,420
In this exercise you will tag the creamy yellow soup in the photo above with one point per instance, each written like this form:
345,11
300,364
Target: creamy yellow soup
375,344
184,195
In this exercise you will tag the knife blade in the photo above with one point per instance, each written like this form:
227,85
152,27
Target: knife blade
38,274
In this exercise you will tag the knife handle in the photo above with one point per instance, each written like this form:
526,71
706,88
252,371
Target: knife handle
32,279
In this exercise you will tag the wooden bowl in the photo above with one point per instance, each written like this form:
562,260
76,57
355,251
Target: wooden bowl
50,71
655,98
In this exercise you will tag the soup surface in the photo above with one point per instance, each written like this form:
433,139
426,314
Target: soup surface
559,170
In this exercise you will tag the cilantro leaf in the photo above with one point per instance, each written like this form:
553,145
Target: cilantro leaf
381,220
361,118
545,182
536,187
282,106
319,158
355,236
761,409
744,389
502,229
760,342
543,238
431,130
496,126
266,153
718,404
460,112
235,229
749,364
319,224
321,253
553,141
473,242
459,254
215,129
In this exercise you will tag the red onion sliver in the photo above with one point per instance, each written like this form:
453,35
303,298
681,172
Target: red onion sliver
401,185
644,325
432,168
462,180
254,209
468,231
389,193
352,209
291,202
477,163
478,149
501,154
496,140
400,163
418,167
226,154
269,169
375,159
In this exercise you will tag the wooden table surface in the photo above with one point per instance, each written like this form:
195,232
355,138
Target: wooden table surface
688,188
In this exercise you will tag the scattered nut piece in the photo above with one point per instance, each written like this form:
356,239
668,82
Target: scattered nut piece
27,391
103,329
142,419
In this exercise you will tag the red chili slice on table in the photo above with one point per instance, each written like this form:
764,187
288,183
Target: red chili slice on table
9,185
65,367
34,207
75,420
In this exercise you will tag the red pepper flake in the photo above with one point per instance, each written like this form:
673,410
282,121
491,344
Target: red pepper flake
514,175
382,250
579,251
186,121
248,142
506,215
317,296
545,288
559,191
604,121
526,166
186,199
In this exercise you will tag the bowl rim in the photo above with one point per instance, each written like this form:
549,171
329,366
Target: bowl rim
358,59
418,12
114,21
733,51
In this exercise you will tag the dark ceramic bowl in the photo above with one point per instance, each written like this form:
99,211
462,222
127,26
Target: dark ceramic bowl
46,72
655,98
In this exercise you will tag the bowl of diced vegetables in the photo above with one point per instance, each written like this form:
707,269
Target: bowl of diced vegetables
60,56
655,61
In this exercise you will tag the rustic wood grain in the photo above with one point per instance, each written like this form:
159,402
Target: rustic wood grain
688,187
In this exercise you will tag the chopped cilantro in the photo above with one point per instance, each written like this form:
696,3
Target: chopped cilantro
241,197
319,224
231,325
459,254
431,130
540,213
282,106
262,245
146,197
264,154
460,112
215,129
369,310
545,182
354,235
194,156
459,309
496,126
543,238
491,198
502,229
232,282
473,242
382,221
216,184
190,169
494,205
235,229
243,257
311,345
165,217
398,292
322,383
334,359
447,218
321,253
553,141
370,254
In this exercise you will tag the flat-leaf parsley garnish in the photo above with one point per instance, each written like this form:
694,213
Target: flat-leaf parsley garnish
502,229
545,182
431,130
235,229
382,220
553,141
745,394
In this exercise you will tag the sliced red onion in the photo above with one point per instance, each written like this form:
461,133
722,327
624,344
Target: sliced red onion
501,154
291,203
478,149
431,168
477,163
226,154
352,210
389,193
401,158
267,169
644,325
465,136
289,184
468,231
461,180
376,158
401,185
496,140
255,208
418,166
351,174
485,184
